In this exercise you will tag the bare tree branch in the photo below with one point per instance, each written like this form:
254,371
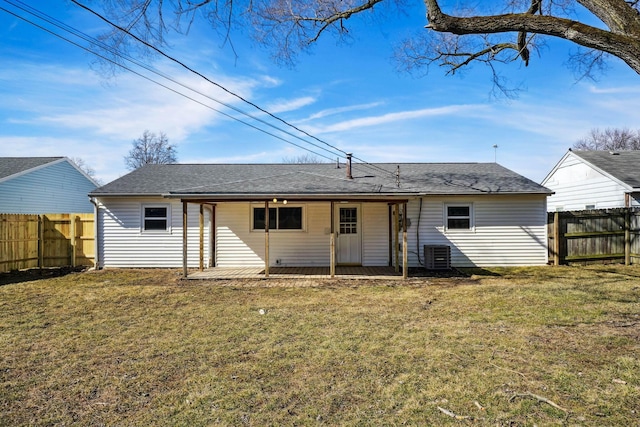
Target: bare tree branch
610,139
622,40
486,32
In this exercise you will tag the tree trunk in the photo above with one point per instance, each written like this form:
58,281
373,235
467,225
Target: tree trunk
623,43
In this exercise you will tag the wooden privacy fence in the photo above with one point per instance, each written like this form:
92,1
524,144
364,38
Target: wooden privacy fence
594,236
50,240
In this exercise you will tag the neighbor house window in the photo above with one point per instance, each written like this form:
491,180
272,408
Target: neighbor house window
155,218
459,217
280,218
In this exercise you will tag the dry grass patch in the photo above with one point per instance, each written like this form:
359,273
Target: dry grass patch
145,348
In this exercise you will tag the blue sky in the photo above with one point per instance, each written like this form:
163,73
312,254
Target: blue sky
350,95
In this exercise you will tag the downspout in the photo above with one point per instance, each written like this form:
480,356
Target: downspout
212,237
390,227
418,232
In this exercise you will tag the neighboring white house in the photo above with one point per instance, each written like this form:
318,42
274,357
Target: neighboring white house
487,214
594,180
37,185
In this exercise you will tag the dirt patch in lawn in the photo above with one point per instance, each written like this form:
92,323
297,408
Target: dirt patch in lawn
29,275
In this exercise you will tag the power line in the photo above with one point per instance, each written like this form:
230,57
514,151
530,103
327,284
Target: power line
115,52
182,64
43,16
173,59
160,84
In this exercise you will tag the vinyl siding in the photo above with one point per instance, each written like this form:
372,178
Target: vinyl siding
508,231
54,188
375,234
122,243
238,245
577,185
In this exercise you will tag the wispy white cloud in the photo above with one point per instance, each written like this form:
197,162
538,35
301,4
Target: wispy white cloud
270,81
614,90
341,110
129,106
96,120
370,121
561,119
283,105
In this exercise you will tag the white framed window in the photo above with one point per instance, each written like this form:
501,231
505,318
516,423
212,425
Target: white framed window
280,218
156,218
458,216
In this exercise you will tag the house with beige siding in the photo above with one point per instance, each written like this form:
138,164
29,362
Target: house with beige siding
584,180
289,215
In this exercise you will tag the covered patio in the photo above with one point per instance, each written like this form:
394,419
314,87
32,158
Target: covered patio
398,253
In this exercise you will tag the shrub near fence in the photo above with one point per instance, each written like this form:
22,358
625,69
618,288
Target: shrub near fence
50,240
594,236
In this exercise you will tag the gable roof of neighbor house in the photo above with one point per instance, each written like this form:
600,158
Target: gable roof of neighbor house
237,181
14,166
621,165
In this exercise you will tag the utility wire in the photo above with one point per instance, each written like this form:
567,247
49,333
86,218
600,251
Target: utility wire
84,36
162,53
43,16
160,84
182,64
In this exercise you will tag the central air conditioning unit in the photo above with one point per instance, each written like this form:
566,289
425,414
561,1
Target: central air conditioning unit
437,257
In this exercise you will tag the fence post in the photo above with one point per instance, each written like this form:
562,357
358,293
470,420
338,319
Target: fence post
72,232
40,242
627,236
556,238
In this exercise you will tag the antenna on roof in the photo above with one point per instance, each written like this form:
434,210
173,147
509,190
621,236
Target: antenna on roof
495,153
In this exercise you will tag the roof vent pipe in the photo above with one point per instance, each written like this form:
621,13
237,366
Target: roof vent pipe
349,176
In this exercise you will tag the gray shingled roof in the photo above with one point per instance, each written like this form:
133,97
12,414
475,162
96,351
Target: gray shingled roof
237,180
14,165
622,165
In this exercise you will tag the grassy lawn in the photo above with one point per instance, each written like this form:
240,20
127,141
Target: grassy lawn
503,347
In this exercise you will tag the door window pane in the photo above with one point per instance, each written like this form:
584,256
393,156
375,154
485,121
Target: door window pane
348,220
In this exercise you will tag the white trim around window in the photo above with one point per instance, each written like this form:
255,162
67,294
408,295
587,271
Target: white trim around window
458,217
155,218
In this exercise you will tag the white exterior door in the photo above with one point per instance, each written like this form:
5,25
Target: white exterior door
349,241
